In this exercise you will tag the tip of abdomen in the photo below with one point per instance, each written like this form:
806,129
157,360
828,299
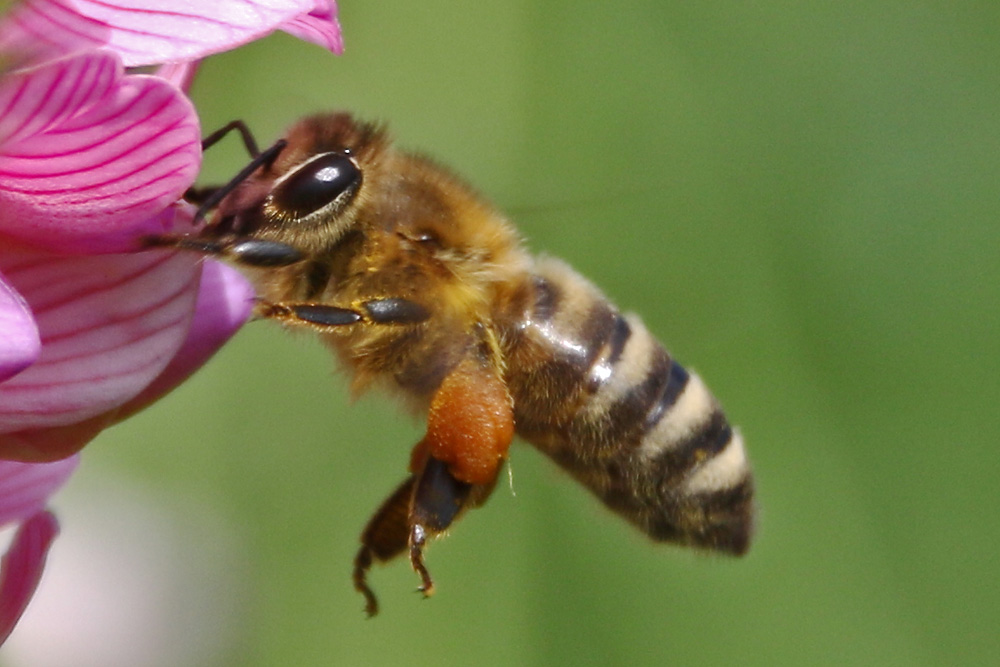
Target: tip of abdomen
712,506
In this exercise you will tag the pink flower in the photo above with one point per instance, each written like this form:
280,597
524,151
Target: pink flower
149,32
25,488
92,157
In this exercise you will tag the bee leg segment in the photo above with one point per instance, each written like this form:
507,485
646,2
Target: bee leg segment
376,311
307,313
395,311
453,468
438,499
250,252
423,506
469,429
470,424
385,537
254,252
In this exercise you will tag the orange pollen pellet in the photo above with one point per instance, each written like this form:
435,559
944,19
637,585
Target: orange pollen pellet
471,424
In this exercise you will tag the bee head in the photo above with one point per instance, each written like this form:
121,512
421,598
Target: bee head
309,194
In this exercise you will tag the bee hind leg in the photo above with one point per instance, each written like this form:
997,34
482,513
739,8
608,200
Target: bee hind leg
438,499
384,538
423,506
453,468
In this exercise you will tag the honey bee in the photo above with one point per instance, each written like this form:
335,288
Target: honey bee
419,285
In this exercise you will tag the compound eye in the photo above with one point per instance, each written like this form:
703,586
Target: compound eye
329,179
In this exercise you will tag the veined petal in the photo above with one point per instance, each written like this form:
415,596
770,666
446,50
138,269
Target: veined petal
87,154
153,31
22,566
26,487
148,32
109,325
319,26
35,100
38,30
19,341
225,301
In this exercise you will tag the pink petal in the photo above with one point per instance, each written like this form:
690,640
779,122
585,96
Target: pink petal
21,568
109,325
55,443
180,75
88,156
34,100
225,301
19,341
147,32
320,26
40,30
26,487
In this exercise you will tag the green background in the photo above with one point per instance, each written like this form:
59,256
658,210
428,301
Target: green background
799,198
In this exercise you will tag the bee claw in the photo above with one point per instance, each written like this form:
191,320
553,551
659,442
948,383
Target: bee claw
362,563
418,537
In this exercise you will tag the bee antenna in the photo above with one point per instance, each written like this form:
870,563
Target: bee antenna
248,141
265,158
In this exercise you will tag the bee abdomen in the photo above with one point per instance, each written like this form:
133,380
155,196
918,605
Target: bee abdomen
594,390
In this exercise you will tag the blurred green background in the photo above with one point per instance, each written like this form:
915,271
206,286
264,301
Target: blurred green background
801,200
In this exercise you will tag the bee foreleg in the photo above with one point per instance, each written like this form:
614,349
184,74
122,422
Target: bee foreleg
250,252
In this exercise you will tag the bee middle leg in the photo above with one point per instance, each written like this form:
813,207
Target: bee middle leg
389,310
453,468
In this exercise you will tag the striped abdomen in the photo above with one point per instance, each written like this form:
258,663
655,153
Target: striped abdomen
596,392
